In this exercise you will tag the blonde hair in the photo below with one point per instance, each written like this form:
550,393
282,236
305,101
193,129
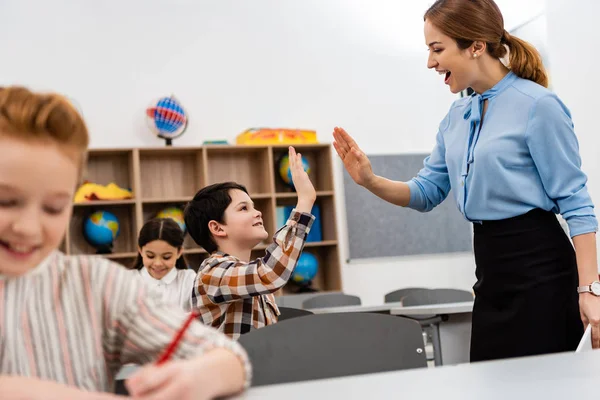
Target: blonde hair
46,117
467,21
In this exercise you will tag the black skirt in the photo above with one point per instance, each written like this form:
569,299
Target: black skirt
526,300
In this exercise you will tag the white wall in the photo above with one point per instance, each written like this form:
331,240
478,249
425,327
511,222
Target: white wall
236,64
572,38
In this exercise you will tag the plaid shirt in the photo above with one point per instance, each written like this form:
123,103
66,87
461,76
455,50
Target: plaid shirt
235,296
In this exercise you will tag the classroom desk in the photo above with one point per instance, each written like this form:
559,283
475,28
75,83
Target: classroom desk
465,307
398,309
454,331
383,308
558,376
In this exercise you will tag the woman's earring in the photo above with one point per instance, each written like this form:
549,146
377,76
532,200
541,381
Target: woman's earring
474,55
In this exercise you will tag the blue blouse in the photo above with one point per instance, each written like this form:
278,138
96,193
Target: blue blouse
525,155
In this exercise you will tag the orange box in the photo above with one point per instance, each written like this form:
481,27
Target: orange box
276,136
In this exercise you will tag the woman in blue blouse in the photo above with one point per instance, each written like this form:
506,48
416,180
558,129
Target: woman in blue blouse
511,158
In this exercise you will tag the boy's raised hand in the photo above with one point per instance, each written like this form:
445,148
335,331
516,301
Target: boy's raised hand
304,187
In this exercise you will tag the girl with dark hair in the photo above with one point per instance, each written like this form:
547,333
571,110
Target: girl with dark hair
161,263
510,156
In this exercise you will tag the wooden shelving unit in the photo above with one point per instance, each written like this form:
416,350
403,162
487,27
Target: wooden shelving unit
170,176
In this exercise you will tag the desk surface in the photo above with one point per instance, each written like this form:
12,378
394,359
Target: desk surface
448,308
559,376
345,309
398,309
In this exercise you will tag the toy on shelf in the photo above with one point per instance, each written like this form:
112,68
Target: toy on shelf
305,271
93,191
175,213
100,229
167,119
213,142
276,136
285,173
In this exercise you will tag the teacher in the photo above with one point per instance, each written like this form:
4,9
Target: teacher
510,156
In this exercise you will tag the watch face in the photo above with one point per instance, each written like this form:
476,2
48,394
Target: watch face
596,288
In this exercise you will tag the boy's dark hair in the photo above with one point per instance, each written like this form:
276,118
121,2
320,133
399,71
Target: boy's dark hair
208,204
161,229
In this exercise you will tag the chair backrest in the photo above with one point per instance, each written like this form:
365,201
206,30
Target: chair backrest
289,312
333,345
436,296
331,300
295,299
398,295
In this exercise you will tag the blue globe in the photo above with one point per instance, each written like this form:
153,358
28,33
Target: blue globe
101,228
167,118
306,269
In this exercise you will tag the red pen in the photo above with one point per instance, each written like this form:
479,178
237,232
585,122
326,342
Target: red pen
166,355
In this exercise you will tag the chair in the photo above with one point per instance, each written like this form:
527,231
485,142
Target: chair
295,299
289,312
397,295
333,345
331,300
435,296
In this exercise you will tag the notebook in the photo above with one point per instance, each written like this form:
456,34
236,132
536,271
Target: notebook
586,341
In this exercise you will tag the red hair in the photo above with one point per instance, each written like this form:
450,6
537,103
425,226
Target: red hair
50,117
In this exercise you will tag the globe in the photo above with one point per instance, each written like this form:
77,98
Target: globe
285,172
100,229
306,269
175,213
167,118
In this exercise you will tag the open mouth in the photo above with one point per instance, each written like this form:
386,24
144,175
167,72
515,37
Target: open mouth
259,223
446,75
18,250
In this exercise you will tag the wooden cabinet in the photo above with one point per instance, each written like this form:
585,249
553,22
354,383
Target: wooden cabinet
170,176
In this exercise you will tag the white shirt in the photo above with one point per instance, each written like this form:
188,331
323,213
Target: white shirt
176,286
78,319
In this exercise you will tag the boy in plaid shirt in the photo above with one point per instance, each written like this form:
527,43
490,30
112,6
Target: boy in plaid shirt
233,293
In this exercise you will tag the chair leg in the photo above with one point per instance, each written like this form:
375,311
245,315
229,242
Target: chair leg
437,347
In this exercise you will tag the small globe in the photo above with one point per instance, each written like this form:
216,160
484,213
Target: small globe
306,269
101,229
175,213
167,118
285,173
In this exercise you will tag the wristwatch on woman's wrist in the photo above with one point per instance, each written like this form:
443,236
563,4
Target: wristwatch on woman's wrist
594,288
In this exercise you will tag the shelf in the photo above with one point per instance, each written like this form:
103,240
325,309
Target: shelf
255,196
110,166
120,255
183,199
167,176
319,161
125,241
324,224
249,167
328,276
100,203
187,199
293,195
301,147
